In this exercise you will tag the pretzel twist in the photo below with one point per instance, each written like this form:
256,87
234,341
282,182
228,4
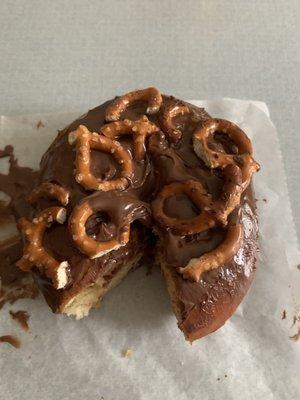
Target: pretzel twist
86,244
235,182
51,190
197,193
220,159
34,253
166,116
150,95
140,129
85,141
221,255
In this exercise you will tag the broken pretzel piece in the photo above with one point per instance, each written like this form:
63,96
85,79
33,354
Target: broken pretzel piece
221,255
85,141
140,129
51,190
200,197
166,115
150,95
34,253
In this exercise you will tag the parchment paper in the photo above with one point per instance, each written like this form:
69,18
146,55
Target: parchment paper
251,357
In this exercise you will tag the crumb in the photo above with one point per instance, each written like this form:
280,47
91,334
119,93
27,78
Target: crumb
218,379
225,376
265,200
298,266
283,315
127,353
40,125
296,337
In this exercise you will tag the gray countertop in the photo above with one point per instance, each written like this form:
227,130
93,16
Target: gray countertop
68,55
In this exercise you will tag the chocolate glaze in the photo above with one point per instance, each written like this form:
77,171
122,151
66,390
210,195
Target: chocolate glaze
86,271
164,163
203,307
121,209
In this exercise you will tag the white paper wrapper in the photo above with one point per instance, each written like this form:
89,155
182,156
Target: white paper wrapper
251,357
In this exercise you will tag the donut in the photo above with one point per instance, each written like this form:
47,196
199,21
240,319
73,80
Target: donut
145,172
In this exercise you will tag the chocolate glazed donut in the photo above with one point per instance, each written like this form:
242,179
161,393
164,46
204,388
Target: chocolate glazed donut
143,168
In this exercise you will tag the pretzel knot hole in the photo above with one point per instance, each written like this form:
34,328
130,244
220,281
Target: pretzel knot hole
85,141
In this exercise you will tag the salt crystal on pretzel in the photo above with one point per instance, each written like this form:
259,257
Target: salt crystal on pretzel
218,257
52,190
34,253
166,115
200,197
85,141
140,129
150,95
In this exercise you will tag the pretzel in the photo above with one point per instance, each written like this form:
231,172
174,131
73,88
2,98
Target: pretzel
140,129
219,159
86,244
150,95
196,192
34,253
85,141
166,115
51,190
218,257
234,184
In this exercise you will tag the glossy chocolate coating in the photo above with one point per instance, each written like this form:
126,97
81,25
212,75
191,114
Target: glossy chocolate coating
200,307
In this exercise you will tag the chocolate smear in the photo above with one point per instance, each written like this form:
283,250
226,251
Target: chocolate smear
13,341
22,317
16,185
